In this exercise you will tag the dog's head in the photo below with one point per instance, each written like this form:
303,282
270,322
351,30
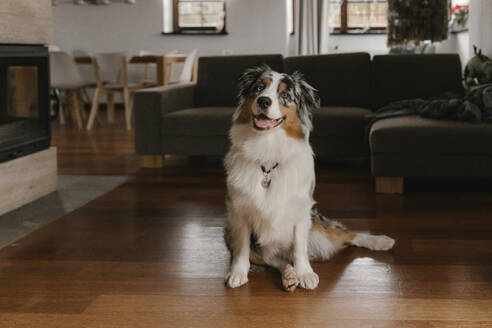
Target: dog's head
270,100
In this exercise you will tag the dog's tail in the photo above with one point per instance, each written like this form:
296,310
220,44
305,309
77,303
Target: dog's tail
328,237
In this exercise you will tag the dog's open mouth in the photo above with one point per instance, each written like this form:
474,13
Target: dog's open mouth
263,122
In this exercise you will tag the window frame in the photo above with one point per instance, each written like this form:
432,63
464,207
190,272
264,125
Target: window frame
346,29
207,30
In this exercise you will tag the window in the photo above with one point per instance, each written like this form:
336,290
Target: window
194,16
460,3
358,15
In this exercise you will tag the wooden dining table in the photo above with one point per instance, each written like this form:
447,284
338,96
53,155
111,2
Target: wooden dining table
162,68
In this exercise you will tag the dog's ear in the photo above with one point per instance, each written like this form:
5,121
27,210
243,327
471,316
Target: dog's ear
307,99
308,95
249,77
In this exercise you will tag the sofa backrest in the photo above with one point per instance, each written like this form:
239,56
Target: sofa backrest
341,79
217,77
399,77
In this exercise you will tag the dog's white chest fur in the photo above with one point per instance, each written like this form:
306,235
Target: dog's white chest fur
271,212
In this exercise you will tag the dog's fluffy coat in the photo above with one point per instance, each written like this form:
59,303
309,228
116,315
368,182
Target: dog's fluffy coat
278,225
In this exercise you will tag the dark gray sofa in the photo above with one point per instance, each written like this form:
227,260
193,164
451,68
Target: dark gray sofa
413,146
194,119
344,84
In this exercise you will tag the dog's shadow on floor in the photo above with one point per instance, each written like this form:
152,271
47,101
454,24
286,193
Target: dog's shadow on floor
331,272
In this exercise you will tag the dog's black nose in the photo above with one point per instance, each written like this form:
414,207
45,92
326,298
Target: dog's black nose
264,102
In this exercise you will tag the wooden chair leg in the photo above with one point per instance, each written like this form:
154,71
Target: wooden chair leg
76,108
171,72
389,185
128,109
86,96
131,102
110,107
69,106
147,72
61,115
161,70
94,109
152,161
83,114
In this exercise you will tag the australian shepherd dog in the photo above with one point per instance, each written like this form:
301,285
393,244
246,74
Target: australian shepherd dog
272,217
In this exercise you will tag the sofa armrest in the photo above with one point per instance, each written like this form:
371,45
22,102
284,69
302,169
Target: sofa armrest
149,107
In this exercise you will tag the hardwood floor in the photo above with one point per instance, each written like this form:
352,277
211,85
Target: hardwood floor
150,254
105,150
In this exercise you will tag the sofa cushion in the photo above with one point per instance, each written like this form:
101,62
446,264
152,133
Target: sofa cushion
398,77
339,147
341,79
340,121
217,77
418,135
203,121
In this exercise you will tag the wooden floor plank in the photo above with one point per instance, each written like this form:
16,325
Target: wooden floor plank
231,320
303,307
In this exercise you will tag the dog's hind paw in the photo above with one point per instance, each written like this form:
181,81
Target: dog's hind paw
382,243
236,279
375,243
309,280
289,279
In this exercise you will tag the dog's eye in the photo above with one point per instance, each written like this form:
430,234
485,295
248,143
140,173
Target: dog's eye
260,88
284,95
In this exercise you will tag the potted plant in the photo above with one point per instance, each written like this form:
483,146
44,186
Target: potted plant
459,18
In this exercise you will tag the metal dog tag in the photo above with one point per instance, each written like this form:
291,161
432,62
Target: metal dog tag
265,183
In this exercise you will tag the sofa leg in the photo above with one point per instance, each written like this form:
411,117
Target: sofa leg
389,185
152,161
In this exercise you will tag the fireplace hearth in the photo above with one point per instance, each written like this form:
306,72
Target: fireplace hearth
24,100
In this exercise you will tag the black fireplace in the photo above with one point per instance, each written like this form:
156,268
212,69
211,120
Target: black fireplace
24,100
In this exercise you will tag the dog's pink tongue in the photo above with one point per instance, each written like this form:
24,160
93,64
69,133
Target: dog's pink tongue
264,123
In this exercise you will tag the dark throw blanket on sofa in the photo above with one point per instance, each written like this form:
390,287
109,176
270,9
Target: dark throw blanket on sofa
475,107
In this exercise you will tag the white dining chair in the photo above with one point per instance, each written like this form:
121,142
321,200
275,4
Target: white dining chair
189,64
87,73
188,67
65,77
113,69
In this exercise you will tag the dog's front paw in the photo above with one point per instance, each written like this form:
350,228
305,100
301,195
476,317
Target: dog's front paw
236,279
289,279
308,280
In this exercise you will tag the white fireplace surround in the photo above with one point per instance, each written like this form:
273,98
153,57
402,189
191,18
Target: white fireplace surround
25,21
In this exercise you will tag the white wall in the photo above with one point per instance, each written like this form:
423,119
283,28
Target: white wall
254,26
456,43
481,26
375,44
